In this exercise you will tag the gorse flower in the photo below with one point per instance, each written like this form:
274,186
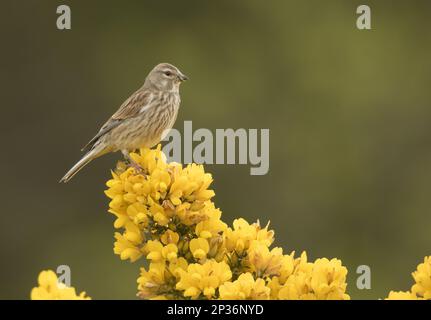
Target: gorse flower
240,237
422,276
164,215
264,262
51,289
199,248
301,280
401,295
421,290
246,287
203,279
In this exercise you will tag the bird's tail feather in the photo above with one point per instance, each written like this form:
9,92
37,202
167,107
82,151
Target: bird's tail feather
86,159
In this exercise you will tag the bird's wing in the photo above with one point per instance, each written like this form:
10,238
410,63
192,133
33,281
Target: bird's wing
130,108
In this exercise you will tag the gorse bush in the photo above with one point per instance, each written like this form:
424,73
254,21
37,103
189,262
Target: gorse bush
167,221
166,215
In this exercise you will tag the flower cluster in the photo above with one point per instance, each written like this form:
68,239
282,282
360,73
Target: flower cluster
164,213
51,289
421,290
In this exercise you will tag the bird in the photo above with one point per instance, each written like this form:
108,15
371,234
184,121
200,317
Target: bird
142,120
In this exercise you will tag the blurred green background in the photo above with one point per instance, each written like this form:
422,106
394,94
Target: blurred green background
348,112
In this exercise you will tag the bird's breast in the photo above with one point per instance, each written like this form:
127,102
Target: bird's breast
150,126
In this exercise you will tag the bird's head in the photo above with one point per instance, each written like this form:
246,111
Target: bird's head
165,77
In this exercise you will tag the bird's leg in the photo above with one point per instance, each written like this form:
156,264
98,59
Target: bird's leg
131,162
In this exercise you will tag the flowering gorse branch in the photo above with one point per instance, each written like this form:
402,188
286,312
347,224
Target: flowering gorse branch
165,216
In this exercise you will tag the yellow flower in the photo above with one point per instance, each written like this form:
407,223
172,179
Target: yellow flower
287,266
176,267
126,249
328,279
156,252
133,233
296,288
322,280
170,237
152,280
245,288
193,213
212,226
401,295
203,279
288,263
239,238
50,289
190,183
158,282
150,160
212,230
138,213
263,261
199,248
158,212
421,290
422,277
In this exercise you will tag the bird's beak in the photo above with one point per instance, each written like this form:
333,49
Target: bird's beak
183,77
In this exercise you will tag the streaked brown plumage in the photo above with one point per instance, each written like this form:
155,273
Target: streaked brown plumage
141,120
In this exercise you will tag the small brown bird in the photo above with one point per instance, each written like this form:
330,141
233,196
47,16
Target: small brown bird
142,119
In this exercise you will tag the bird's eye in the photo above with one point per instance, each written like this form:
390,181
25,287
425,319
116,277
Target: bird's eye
168,73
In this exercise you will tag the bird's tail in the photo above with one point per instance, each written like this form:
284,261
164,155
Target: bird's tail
94,153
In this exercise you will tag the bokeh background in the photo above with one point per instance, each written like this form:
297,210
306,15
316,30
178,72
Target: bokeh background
348,112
